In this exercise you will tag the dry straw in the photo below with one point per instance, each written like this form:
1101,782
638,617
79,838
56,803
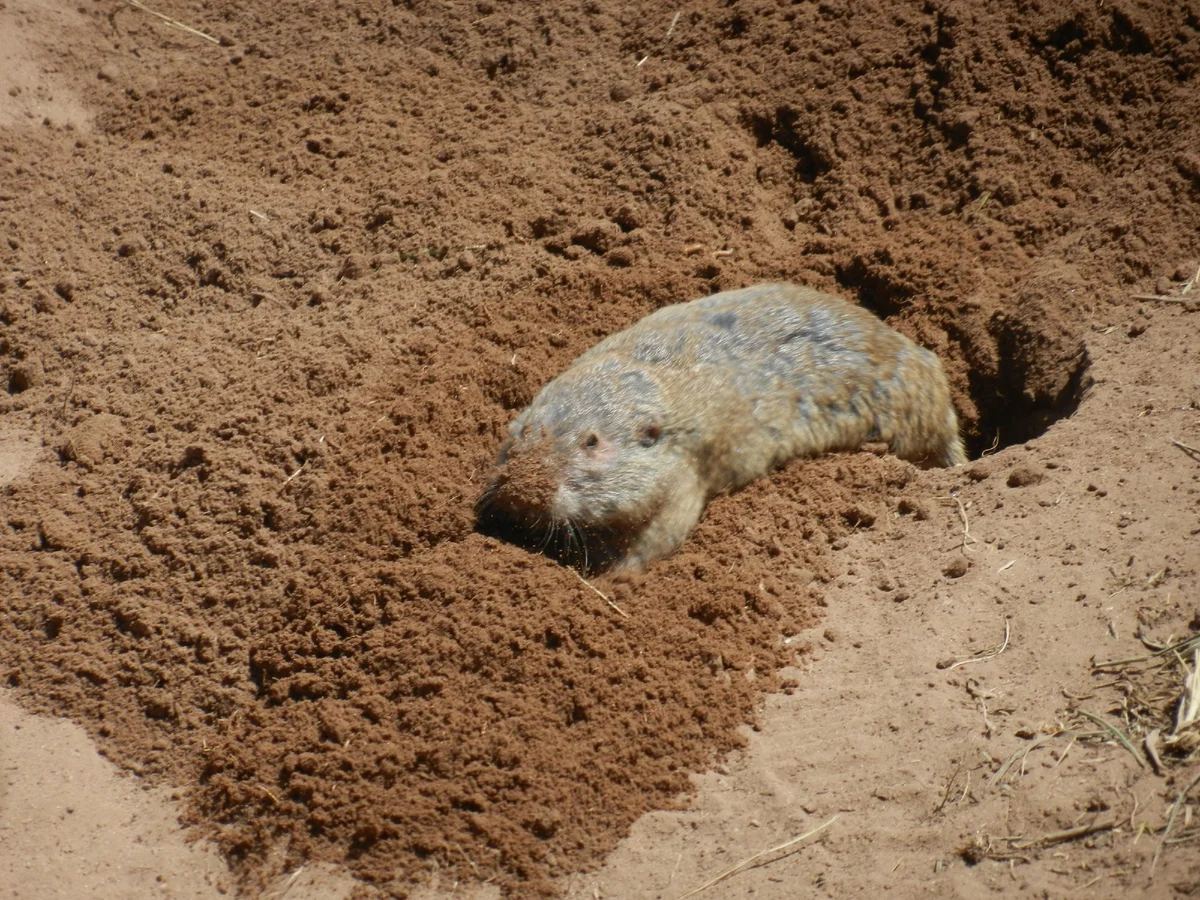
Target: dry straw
756,859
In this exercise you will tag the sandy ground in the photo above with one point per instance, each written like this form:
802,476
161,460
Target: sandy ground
268,300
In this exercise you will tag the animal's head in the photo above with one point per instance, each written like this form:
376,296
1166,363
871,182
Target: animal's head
591,458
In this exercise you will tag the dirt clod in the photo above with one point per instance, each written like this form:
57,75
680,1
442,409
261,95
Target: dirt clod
1024,476
957,567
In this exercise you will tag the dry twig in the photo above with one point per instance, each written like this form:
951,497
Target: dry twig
600,594
174,23
967,537
949,786
750,861
1188,643
987,654
665,43
1190,451
1067,834
1021,753
287,887
1156,298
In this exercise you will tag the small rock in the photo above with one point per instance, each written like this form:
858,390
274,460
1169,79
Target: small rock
94,439
131,247
956,568
800,577
858,516
545,226
353,267
467,261
45,302
1023,476
1186,270
627,218
382,215
833,635
55,531
619,257
26,374
1007,191
980,471
1162,286
193,455
599,237
619,93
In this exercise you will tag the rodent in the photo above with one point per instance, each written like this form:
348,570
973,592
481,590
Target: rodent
614,461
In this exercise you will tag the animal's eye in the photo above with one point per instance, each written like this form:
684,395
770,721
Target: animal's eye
591,441
650,435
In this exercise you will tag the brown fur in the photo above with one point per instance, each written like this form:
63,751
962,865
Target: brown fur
616,458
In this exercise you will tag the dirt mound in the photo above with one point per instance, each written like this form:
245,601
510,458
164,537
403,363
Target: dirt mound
269,306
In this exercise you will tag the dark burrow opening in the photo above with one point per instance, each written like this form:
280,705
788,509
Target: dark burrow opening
1016,369
1025,381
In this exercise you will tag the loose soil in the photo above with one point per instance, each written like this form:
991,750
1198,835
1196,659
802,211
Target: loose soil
269,300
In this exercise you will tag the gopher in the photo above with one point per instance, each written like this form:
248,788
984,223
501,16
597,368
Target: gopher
613,463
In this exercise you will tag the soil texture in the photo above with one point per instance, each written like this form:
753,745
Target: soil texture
273,284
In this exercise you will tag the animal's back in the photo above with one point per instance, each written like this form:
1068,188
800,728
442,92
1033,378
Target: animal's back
816,372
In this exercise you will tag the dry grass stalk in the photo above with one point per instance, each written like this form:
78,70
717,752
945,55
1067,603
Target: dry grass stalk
1117,735
981,848
1183,646
1175,807
174,23
1021,753
1061,837
755,859
987,654
1149,692
600,594
1189,701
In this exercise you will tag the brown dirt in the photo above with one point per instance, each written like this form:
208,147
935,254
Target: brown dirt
268,305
